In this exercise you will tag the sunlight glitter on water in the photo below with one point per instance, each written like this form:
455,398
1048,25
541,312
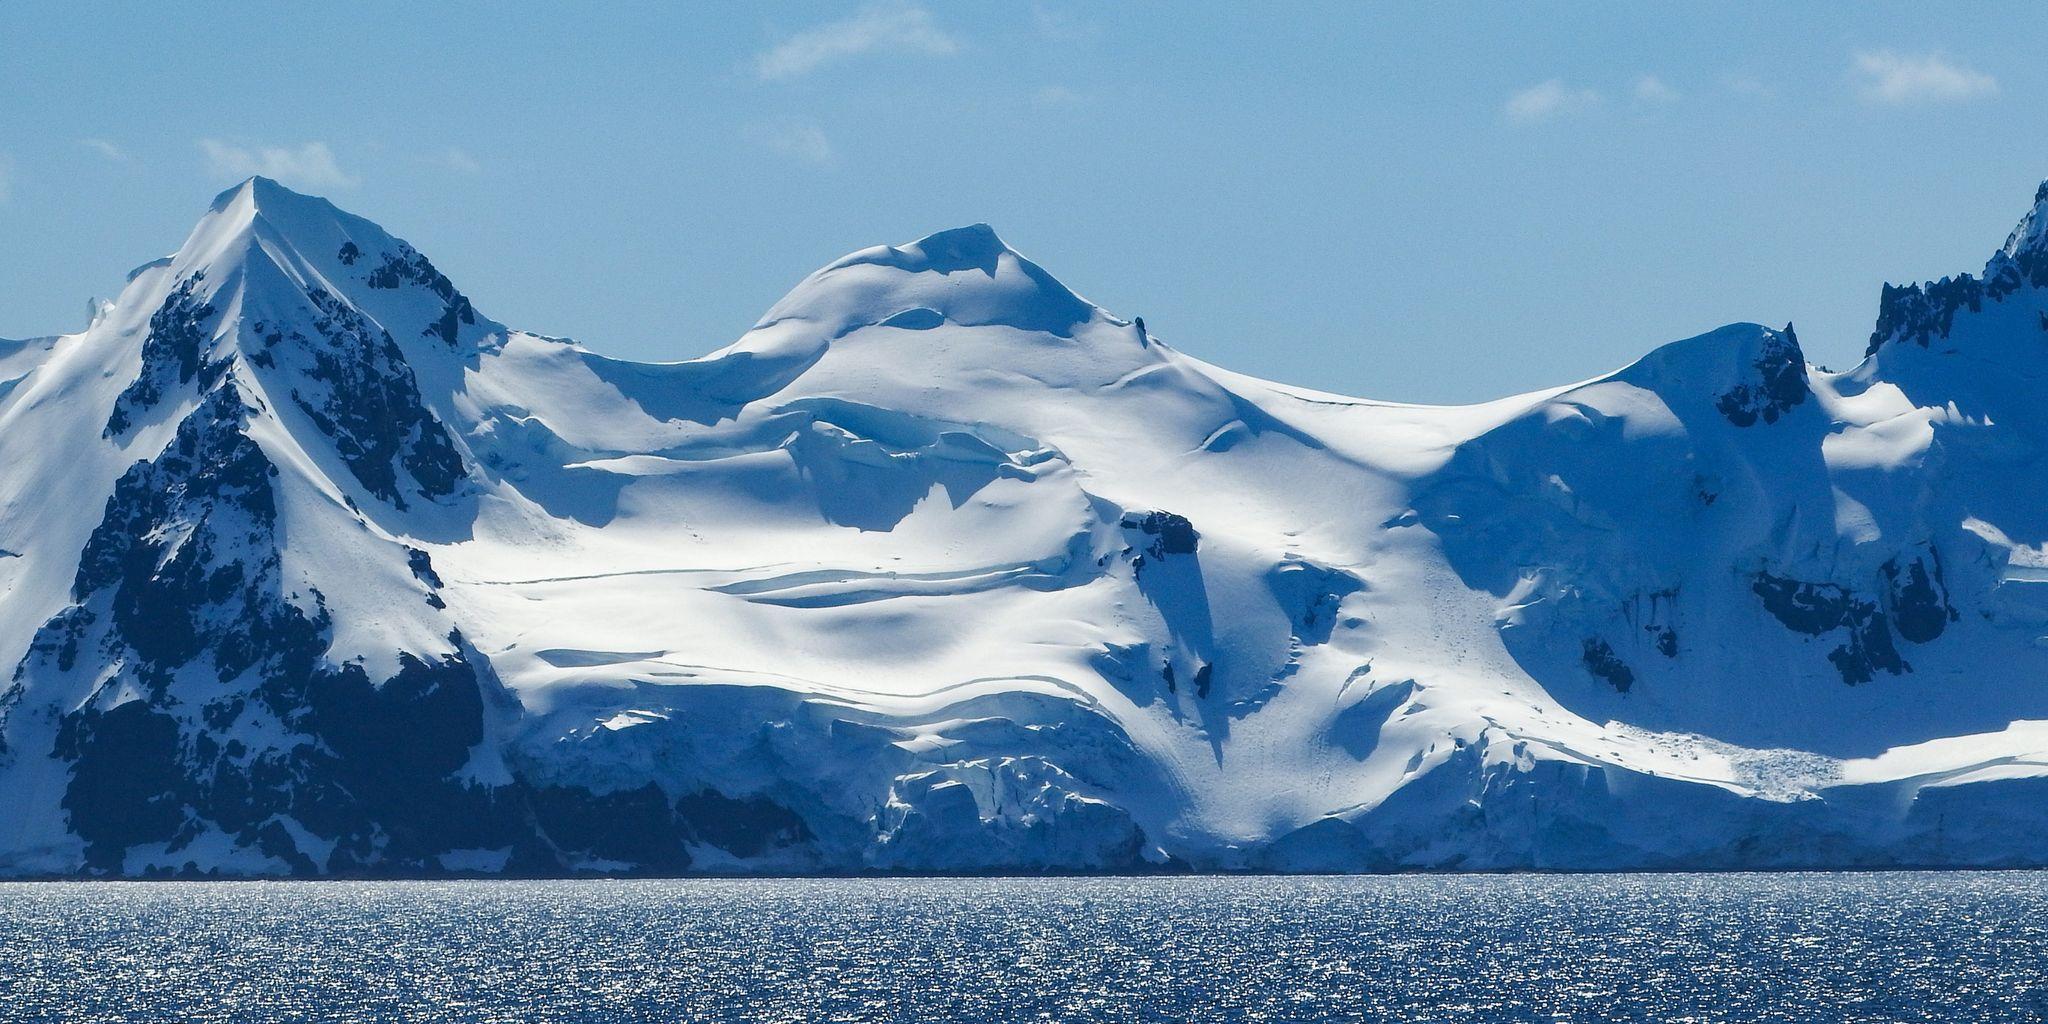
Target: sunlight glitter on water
1808,947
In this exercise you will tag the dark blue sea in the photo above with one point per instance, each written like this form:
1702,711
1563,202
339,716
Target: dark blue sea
1800,947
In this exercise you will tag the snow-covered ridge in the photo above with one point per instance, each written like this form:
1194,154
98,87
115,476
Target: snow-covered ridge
940,567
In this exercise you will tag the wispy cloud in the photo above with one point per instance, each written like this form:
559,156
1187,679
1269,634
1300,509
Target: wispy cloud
1060,26
106,149
1056,96
457,159
890,27
1546,100
798,140
311,165
1652,91
1747,85
1887,76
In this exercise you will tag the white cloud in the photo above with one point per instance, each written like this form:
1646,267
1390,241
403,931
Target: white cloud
1886,76
798,140
310,165
1060,26
106,149
1545,100
1056,96
456,159
1650,89
1748,85
890,27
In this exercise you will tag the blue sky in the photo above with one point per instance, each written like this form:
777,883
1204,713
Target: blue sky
1427,203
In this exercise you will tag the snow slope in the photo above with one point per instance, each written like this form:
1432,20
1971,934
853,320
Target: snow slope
311,568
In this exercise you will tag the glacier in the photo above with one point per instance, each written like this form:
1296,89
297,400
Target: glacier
310,568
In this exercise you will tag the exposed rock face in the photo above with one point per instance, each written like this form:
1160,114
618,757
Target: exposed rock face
173,353
1923,314
1779,386
220,717
360,393
408,266
1819,609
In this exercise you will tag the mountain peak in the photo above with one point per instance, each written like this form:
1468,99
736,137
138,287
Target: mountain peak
972,246
258,214
2017,273
308,245
262,190
2030,235
291,213
965,276
1749,372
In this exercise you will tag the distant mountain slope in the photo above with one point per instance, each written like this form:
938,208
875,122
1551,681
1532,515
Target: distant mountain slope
309,567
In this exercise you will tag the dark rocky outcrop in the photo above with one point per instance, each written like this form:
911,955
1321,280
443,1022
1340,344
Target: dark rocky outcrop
1779,387
1158,534
368,405
1599,658
409,266
173,353
1817,609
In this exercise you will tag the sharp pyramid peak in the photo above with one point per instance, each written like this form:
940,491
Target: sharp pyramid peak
260,203
296,248
265,192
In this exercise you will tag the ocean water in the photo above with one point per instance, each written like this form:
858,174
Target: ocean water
1800,947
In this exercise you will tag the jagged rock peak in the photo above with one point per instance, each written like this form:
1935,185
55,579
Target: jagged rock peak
1924,313
2031,234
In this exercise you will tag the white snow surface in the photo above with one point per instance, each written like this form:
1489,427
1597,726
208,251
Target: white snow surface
908,505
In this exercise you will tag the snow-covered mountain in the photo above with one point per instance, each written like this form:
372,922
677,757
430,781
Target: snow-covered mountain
307,566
